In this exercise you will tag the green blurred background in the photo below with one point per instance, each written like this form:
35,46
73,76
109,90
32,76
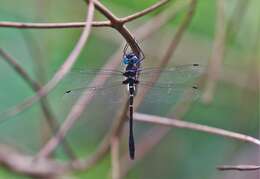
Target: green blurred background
182,154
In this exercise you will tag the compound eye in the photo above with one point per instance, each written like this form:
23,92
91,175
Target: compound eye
126,60
135,59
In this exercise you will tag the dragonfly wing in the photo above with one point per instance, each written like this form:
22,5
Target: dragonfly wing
82,77
110,92
169,92
179,74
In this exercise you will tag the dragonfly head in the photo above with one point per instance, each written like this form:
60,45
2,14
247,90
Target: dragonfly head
130,58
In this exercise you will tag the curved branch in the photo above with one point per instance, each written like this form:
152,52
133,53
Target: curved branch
193,126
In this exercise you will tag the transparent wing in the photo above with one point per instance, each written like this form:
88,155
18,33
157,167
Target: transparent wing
93,71
178,74
80,78
172,83
168,93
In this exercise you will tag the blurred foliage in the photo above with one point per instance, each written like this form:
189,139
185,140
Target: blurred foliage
181,154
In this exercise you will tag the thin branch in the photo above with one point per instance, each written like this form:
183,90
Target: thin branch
143,12
23,164
58,25
161,19
238,167
12,62
53,142
115,157
36,86
116,24
60,74
196,127
217,55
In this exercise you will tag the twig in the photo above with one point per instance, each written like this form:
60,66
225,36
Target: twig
238,167
217,53
59,75
35,86
115,157
116,24
59,25
143,12
194,126
12,62
23,164
161,19
50,146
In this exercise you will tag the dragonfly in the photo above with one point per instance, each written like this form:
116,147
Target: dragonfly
134,76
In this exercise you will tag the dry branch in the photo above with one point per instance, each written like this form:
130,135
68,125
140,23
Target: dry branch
217,55
196,127
23,164
143,12
115,157
58,25
238,167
